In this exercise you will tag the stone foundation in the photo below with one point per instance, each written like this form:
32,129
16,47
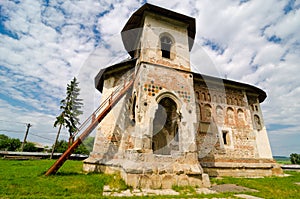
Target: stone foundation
151,180
152,171
242,168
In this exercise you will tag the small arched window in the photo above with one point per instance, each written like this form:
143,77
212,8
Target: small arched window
257,122
166,44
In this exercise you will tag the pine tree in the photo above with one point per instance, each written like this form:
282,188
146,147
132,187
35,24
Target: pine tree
70,107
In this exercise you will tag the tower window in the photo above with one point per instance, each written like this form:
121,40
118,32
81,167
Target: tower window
166,44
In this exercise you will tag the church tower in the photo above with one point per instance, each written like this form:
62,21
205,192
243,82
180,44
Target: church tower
149,136
164,98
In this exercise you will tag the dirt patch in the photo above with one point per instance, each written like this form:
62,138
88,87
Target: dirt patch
231,188
107,191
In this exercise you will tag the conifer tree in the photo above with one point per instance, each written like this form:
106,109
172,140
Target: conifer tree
70,107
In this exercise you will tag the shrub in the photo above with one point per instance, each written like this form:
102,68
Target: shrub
62,146
30,147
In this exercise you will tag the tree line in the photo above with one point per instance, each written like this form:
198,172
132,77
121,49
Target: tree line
14,144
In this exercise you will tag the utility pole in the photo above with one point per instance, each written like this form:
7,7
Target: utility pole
54,145
27,131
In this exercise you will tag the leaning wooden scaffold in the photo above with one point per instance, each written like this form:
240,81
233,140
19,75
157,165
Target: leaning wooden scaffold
93,120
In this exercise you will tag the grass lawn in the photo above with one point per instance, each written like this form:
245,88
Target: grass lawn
21,179
25,179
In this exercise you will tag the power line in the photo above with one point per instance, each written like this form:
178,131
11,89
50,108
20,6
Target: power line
40,136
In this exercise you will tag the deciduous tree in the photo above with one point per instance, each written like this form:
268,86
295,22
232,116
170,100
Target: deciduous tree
295,158
9,144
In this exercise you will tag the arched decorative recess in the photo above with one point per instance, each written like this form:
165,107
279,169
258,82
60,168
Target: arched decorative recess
220,114
207,113
230,115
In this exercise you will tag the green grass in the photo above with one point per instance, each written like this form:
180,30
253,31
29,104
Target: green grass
184,190
25,179
269,187
283,161
21,179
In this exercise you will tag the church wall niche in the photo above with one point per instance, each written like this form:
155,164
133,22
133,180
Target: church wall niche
207,113
219,114
230,116
241,120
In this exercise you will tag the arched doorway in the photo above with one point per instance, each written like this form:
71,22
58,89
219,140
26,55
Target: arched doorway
165,127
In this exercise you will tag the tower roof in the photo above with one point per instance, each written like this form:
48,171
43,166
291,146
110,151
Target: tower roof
136,21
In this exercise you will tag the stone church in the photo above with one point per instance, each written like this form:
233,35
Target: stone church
174,126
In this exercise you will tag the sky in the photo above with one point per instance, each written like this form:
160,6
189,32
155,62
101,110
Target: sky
44,44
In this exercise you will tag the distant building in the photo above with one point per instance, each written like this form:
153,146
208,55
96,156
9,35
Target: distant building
176,127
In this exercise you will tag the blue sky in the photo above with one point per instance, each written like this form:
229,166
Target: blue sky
44,44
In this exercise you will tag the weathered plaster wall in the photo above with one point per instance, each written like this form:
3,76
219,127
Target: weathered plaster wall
110,130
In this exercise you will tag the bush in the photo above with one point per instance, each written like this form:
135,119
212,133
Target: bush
30,147
62,146
295,158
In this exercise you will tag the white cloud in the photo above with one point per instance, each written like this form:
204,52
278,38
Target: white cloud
287,26
49,44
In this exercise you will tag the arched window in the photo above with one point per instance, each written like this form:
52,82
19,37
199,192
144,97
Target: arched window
166,44
257,122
